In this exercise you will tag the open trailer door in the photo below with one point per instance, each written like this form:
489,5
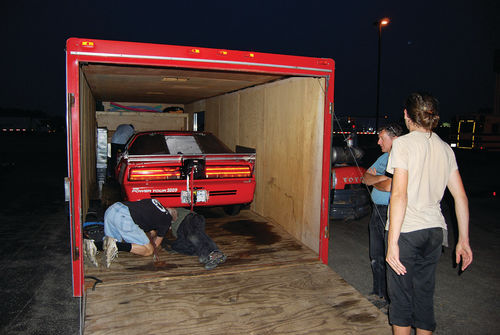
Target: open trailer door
72,182
301,73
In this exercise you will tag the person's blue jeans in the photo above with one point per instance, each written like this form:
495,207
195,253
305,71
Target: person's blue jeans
377,249
119,225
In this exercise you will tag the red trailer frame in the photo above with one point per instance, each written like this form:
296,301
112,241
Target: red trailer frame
80,50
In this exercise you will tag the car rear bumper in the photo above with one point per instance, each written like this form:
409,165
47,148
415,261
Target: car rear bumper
350,204
220,192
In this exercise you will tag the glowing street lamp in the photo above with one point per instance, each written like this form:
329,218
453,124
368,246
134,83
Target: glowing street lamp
380,23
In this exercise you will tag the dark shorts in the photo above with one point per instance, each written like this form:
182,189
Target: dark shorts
412,295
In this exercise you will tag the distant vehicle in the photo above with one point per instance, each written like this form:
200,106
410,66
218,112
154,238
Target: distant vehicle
185,169
350,197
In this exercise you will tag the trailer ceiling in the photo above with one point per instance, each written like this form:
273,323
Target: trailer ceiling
172,85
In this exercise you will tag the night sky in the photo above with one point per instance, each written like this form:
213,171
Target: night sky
445,47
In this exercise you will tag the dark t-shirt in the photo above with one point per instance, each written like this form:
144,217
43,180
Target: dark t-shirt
149,214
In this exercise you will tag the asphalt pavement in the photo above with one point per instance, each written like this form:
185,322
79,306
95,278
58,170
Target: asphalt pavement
35,261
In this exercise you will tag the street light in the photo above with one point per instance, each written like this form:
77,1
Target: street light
380,23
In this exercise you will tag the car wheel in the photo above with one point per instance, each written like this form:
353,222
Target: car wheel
232,209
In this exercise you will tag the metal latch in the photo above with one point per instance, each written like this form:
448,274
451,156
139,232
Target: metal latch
67,188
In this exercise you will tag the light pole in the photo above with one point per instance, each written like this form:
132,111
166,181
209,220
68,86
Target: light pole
380,23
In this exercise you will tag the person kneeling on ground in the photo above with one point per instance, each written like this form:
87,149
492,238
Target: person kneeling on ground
191,239
126,225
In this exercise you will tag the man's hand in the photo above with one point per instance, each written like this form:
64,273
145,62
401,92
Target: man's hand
464,252
173,213
392,259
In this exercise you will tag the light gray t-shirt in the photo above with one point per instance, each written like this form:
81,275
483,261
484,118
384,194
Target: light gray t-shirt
429,162
181,214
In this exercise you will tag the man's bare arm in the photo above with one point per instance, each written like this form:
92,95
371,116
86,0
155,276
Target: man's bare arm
384,186
463,250
371,178
397,210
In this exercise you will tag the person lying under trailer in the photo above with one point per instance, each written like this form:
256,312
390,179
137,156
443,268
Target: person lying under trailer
140,226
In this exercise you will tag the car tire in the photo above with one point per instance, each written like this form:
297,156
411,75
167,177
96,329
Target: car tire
232,210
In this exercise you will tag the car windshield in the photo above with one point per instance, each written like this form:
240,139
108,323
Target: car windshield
158,143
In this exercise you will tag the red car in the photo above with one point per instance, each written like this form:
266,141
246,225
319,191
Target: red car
186,169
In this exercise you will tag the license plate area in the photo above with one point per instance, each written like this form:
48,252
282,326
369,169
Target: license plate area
198,196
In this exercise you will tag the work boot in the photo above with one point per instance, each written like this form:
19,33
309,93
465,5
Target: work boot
90,251
215,258
110,250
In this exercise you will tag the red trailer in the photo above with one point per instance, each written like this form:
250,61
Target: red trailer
281,106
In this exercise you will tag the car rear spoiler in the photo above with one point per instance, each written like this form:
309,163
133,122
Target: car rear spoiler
247,157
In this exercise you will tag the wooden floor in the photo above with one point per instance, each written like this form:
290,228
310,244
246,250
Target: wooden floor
270,284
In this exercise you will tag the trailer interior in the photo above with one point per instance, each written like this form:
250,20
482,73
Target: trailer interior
272,114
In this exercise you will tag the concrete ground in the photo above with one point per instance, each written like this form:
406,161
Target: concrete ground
35,265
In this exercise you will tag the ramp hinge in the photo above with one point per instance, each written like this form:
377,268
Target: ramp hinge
76,254
71,100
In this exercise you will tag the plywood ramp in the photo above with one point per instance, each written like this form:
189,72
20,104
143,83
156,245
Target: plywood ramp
270,284
305,299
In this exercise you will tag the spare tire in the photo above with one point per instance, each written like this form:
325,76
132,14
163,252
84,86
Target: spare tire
346,155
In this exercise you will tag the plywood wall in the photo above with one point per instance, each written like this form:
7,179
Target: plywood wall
88,144
284,122
143,121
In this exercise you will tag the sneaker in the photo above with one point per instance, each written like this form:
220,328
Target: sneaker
215,258
110,250
90,251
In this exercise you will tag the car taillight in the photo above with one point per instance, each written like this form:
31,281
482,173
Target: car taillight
162,173
228,171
